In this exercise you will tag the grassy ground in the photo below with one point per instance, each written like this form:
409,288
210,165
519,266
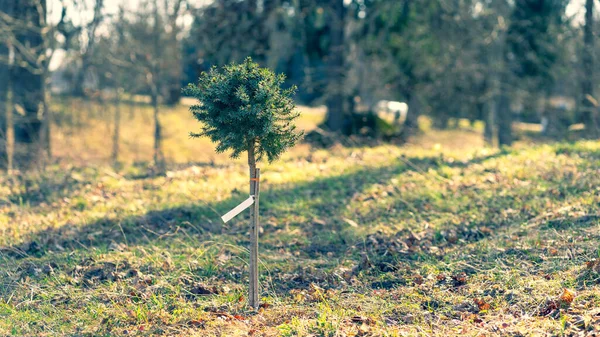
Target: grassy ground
437,238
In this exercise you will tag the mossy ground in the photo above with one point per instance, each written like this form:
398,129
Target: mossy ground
440,237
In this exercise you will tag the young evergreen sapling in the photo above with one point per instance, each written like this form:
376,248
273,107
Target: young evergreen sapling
243,108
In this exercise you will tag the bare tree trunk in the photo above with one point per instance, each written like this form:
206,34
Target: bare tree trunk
336,116
504,115
489,89
553,121
47,131
502,77
253,287
489,120
441,121
28,91
117,128
10,133
9,128
78,86
158,156
5,88
487,112
411,125
488,131
173,85
589,110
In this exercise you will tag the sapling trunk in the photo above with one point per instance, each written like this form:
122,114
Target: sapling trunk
253,291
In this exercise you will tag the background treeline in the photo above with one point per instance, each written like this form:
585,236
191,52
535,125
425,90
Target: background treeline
491,61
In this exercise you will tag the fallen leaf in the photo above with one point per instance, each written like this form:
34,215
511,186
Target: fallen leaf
319,222
200,289
451,237
351,222
483,305
469,316
298,295
551,307
362,320
567,296
460,279
167,263
418,279
223,315
364,330
593,265
485,230
196,322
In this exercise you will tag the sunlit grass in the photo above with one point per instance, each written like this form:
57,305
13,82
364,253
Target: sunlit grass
356,241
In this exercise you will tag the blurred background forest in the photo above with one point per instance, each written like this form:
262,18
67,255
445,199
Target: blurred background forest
101,79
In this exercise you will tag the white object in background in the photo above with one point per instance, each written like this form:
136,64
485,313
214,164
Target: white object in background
238,209
392,111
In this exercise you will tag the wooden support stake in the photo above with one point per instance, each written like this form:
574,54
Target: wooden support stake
254,293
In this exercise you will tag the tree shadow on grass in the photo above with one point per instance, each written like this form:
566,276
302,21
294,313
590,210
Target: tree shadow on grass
204,217
322,198
330,242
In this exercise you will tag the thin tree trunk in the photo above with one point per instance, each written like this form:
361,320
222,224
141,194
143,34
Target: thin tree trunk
10,129
411,125
158,157
590,111
336,115
79,85
503,113
553,118
489,117
504,116
486,113
28,91
47,141
441,121
307,79
489,89
253,289
117,128
5,88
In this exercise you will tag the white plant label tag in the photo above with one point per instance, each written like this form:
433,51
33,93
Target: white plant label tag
238,209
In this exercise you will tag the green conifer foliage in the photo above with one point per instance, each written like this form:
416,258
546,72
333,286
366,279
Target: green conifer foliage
242,107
